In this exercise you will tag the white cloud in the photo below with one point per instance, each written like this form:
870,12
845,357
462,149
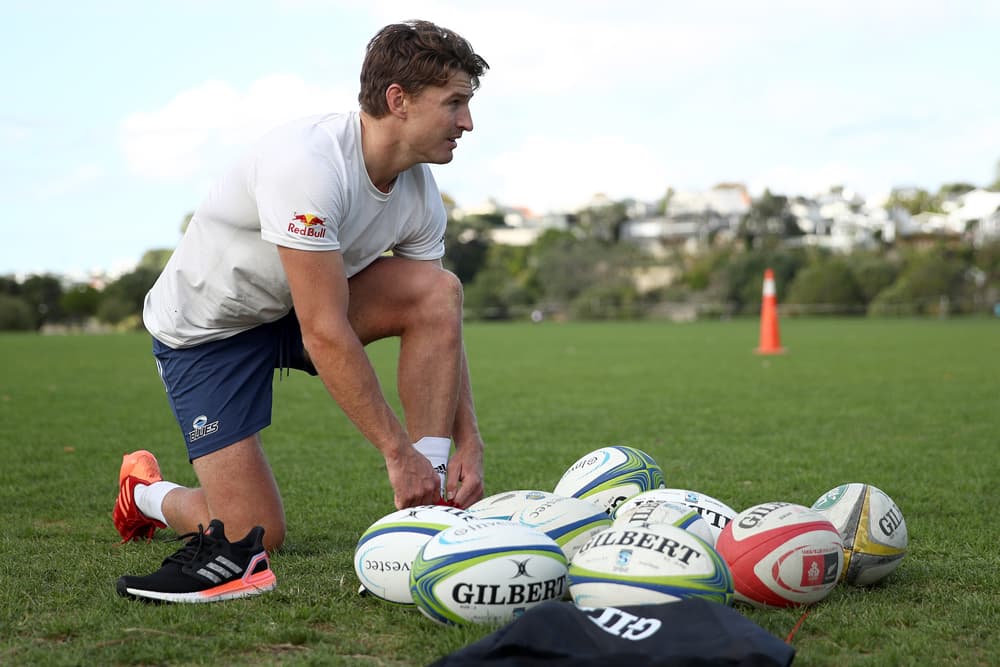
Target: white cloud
545,173
201,127
579,48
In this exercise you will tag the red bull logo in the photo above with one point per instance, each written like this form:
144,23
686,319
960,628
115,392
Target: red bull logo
312,225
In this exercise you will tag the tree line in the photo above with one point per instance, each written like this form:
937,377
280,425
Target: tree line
574,277
587,272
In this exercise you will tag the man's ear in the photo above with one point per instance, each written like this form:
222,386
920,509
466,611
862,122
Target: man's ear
397,100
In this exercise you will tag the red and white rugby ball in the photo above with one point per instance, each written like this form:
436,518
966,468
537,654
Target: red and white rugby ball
782,554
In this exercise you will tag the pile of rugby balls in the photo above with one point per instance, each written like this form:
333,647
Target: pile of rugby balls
611,534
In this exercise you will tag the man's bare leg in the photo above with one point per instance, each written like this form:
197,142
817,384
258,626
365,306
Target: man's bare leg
421,303
238,488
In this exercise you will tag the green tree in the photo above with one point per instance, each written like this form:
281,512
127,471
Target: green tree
932,283
913,200
664,204
124,297
699,269
953,190
603,222
568,267
9,286
113,309
768,221
80,302
987,260
155,259
744,276
466,243
615,300
503,286
42,294
873,272
15,314
828,283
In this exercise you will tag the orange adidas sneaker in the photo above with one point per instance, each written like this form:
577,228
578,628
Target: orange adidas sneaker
139,467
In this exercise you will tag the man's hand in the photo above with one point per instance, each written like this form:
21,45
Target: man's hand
413,479
465,474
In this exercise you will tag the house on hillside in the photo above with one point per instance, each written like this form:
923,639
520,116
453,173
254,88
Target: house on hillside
691,221
978,215
840,220
521,226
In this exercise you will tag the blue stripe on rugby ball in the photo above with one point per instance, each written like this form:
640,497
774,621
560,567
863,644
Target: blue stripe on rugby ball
708,589
425,575
429,529
644,471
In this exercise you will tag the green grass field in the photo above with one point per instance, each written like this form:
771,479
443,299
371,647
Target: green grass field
912,407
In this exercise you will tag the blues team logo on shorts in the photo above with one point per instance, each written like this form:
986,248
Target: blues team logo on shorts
202,427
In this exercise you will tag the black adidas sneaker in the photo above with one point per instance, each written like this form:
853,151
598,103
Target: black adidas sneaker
209,568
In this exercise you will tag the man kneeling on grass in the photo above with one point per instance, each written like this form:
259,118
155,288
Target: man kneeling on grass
284,265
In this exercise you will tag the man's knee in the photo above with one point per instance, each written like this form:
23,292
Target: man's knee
444,295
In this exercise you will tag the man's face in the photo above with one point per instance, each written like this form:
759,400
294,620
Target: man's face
437,117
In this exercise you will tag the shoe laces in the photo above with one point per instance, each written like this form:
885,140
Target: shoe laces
189,552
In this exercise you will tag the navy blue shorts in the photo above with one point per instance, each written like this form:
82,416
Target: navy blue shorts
221,391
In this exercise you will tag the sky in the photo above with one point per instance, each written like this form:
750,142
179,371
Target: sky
116,116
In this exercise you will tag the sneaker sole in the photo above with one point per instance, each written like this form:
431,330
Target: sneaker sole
255,585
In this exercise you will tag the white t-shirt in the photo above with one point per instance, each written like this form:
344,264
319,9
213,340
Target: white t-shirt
304,186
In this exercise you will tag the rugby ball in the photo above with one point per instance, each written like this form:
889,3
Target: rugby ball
872,527
782,555
649,565
568,521
486,572
715,512
610,475
673,514
507,504
385,551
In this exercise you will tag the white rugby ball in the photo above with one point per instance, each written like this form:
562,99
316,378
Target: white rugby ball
649,565
782,554
385,551
672,514
873,529
486,572
715,512
506,504
568,521
611,475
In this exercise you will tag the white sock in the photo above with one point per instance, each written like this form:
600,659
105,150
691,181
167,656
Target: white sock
149,498
436,450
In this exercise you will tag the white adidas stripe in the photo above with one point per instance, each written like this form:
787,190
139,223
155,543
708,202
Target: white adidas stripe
221,565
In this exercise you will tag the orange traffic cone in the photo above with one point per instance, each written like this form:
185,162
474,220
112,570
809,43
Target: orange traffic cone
770,339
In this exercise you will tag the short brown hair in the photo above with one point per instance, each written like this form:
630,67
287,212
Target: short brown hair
414,54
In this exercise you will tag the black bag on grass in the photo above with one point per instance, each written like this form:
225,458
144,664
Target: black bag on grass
689,633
